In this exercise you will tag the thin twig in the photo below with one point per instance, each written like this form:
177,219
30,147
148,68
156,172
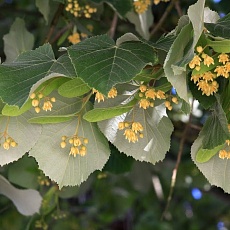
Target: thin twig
113,26
163,18
54,22
174,174
178,8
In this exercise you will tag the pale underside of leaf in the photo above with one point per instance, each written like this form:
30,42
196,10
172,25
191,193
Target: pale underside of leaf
216,170
157,131
27,201
56,162
25,134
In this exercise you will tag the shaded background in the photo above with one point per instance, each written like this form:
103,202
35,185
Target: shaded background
127,194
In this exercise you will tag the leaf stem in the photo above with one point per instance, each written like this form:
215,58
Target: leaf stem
54,22
164,16
175,170
113,26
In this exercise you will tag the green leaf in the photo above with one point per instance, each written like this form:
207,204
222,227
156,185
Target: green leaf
17,41
107,112
73,88
205,101
216,170
222,46
12,110
210,16
26,135
220,28
157,131
122,7
164,43
49,201
204,155
64,109
196,16
176,54
56,162
29,172
215,129
142,22
18,77
27,201
44,8
102,64
49,119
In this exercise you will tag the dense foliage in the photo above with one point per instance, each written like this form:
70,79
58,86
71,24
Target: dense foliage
92,95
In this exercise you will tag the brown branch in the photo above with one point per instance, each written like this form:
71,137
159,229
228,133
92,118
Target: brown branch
178,8
54,22
113,26
164,16
175,170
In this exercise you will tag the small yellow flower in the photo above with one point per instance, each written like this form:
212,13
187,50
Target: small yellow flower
175,100
208,60
121,125
223,154
112,93
130,135
47,106
151,93
137,127
161,94
199,49
74,38
144,103
228,142
98,96
143,88
195,78
208,76
223,58
195,62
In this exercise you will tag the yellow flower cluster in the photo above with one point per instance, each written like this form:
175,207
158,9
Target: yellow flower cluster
133,130
149,94
80,10
206,81
100,97
47,104
78,145
8,142
156,2
141,6
43,180
76,37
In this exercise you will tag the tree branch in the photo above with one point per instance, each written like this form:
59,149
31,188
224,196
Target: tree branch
174,174
113,26
164,16
54,22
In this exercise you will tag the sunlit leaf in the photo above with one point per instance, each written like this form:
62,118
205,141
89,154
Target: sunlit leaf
23,133
216,170
157,131
56,162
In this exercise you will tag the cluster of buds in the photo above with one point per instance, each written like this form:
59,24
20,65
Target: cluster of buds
100,97
47,103
169,101
80,10
133,130
78,145
8,142
141,6
43,180
206,81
